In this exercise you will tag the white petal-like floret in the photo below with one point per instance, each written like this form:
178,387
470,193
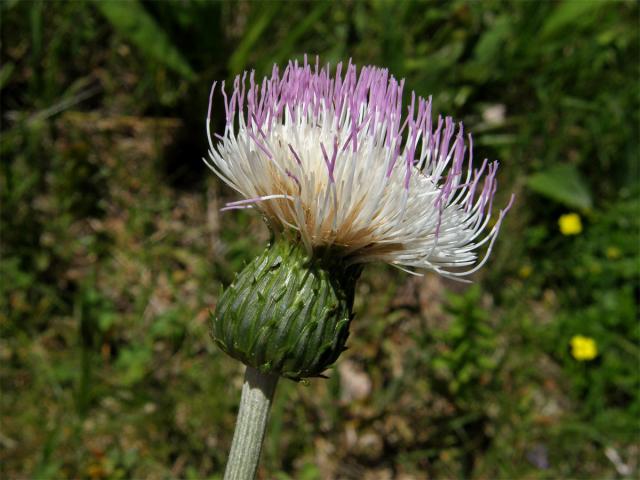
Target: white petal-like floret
331,158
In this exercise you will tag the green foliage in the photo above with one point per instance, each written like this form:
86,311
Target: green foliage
468,359
132,21
568,14
113,250
562,183
605,308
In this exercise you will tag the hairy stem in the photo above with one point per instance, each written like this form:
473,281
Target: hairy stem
255,403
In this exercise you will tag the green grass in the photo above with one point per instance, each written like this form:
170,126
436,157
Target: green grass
114,251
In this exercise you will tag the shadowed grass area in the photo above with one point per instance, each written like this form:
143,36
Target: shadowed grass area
114,249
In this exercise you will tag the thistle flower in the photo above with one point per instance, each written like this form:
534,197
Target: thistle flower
331,160
343,178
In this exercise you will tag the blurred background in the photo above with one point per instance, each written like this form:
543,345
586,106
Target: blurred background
114,249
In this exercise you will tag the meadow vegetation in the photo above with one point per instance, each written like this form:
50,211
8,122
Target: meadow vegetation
114,249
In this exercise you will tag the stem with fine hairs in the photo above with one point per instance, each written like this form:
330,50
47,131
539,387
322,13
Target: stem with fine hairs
255,403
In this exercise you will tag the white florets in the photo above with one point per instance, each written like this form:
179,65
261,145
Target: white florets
332,159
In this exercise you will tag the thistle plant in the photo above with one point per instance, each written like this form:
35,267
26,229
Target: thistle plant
342,178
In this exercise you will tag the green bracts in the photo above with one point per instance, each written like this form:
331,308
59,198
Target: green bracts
287,313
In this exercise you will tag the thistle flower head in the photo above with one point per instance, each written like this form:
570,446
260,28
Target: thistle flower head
332,159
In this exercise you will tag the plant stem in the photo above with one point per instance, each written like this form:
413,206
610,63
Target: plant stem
255,403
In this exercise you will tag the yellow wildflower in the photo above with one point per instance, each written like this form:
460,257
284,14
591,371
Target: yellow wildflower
525,271
613,253
570,224
595,268
583,348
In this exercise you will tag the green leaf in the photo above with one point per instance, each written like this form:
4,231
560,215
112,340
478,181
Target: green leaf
240,57
106,320
287,46
493,40
133,364
566,14
563,184
132,21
